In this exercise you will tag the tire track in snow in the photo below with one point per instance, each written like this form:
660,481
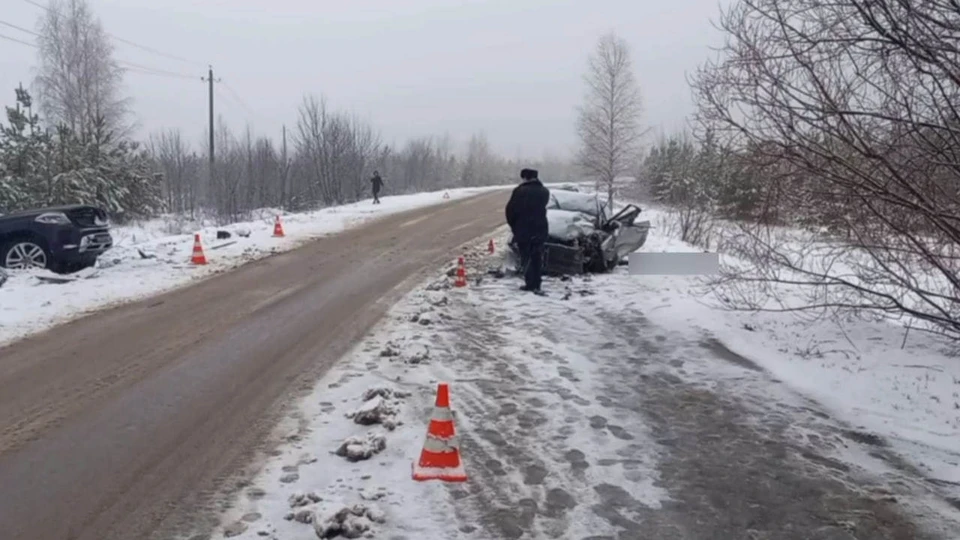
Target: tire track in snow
731,464
733,472
532,481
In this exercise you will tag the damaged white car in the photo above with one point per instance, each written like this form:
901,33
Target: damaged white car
583,239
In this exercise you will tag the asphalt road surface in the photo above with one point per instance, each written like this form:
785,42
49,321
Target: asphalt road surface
130,423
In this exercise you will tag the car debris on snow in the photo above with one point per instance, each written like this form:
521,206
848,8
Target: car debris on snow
362,448
349,522
51,277
223,245
103,264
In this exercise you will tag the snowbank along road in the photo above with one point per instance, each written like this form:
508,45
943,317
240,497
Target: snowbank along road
131,422
604,411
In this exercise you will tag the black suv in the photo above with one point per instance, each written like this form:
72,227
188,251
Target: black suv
63,238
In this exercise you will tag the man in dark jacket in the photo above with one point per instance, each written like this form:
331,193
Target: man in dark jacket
377,183
527,217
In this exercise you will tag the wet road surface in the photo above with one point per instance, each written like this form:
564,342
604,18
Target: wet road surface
131,423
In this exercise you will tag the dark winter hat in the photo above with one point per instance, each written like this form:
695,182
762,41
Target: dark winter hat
528,174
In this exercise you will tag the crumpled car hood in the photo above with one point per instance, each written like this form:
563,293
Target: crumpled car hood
568,225
584,203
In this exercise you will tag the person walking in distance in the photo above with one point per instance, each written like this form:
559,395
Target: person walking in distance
377,183
527,217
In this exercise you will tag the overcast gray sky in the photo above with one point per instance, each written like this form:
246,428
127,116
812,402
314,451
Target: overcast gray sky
509,68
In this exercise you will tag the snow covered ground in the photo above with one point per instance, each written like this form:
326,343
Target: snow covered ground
29,305
619,407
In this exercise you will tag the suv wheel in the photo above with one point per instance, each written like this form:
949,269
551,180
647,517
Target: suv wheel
23,254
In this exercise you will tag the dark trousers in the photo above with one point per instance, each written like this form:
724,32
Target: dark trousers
531,263
376,196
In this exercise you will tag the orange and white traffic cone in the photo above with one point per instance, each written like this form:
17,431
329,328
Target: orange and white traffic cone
198,257
461,274
440,458
490,248
278,229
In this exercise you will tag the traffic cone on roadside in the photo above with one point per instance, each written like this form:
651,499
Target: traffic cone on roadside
278,229
490,248
440,457
198,257
461,274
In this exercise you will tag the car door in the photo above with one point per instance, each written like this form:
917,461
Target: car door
626,235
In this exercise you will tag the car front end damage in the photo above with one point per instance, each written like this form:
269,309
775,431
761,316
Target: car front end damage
583,240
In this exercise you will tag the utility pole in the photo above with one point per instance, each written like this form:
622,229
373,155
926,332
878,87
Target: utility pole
211,80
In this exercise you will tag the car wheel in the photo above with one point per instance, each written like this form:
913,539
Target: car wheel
23,255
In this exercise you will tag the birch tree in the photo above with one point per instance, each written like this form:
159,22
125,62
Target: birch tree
609,119
78,79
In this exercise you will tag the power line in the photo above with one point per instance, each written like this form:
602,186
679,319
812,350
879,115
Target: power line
141,71
128,66
36,4
20,28
229,99
128,42
148,49
156,71
236,96
15,40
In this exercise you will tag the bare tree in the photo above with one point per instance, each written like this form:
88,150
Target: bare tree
181,171
78,78
365,149
609,120
850,109
478,167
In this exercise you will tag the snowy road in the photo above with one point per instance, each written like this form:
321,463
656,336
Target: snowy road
589,414
128,423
